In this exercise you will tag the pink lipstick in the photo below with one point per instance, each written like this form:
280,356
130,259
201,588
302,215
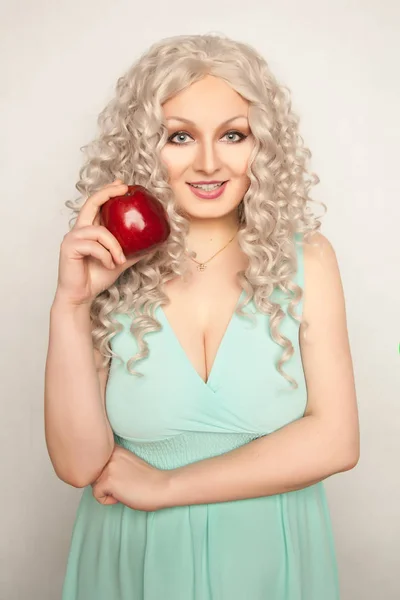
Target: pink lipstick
208,195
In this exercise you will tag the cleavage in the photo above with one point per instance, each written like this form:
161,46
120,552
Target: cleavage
200,329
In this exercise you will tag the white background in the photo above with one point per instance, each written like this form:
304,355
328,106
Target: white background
59,65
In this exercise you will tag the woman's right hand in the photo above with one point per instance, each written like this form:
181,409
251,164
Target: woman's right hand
90,256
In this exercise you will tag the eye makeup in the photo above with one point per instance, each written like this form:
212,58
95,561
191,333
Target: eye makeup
241,135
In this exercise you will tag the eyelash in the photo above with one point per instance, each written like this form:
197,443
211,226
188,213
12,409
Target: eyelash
242,137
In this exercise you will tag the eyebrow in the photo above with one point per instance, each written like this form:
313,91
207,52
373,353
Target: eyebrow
192,123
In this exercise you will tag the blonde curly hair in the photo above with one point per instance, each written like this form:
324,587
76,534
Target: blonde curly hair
272,211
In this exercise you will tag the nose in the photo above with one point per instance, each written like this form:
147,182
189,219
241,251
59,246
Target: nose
207,157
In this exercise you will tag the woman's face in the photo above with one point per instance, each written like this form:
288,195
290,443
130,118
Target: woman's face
203,146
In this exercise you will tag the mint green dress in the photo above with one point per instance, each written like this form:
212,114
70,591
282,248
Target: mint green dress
278,547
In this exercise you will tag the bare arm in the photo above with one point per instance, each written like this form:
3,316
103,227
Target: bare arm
78,435
325,441
299,455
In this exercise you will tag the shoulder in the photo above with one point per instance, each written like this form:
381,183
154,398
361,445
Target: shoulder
323,289
317,247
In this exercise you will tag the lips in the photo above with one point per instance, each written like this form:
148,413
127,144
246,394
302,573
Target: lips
200,193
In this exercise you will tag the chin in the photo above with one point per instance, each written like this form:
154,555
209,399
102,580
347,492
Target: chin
209,209
201,208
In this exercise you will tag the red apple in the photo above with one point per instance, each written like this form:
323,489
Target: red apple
137,219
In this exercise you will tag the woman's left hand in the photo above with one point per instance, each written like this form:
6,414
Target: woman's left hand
128,479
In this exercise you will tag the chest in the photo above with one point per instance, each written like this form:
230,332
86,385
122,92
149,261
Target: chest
180,390
208,368
199,317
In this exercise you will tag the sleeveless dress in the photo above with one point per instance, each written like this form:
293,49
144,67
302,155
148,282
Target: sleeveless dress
278,547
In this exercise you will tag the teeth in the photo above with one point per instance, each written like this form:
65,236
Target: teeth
208,187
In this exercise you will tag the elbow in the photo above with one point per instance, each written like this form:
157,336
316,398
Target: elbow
83,469
350,458
353,453
78,478
351,462
64,474
74,482
339,460
343,450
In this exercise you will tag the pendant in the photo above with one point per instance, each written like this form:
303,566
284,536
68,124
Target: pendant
201,267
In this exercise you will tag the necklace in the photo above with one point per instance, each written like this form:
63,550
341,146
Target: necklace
202,265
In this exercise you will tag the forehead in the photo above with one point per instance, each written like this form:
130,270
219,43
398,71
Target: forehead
209,100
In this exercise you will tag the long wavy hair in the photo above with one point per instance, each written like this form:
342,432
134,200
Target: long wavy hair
273,209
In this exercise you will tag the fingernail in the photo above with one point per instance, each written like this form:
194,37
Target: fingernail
122,257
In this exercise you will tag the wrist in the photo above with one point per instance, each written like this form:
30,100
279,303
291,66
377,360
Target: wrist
169,493
62,304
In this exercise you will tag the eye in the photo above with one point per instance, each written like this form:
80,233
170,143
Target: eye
183,134
241,136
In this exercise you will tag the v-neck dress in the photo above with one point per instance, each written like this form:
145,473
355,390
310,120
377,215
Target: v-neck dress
278,547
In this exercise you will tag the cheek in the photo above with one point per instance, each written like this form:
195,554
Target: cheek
239,165
176,162
238,160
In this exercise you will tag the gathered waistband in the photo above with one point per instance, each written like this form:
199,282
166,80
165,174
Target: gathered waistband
185,448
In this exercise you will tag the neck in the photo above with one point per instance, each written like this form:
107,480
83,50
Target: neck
209,235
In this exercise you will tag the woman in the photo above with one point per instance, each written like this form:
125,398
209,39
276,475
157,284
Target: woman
203,466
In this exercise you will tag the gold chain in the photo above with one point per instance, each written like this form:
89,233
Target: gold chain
202,265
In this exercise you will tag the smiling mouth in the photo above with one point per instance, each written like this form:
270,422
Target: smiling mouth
209,187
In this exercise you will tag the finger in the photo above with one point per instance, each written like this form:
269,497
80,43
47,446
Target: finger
91,208
102,235
102,496
110,500
95,250
98,220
